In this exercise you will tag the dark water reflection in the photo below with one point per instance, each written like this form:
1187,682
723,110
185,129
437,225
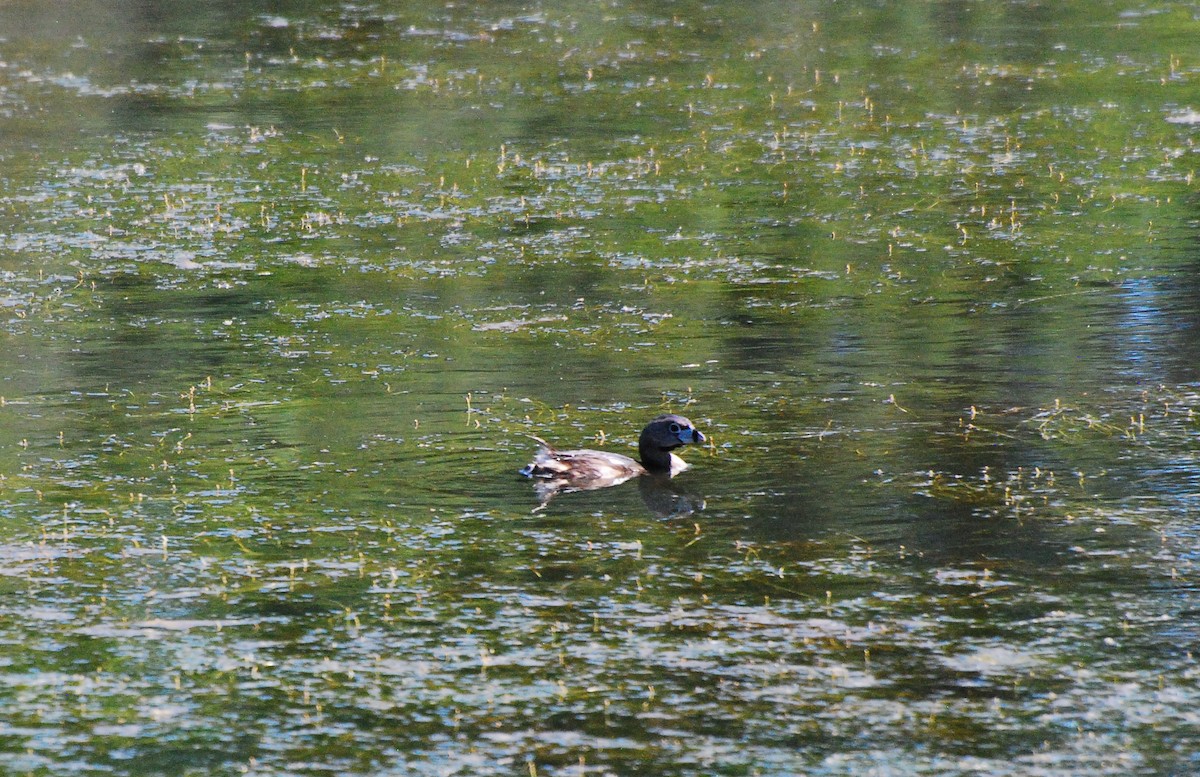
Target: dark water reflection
282,291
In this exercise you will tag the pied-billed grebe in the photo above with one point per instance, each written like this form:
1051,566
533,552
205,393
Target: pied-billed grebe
582,470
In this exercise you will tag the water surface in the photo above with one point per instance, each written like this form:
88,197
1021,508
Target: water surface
282,294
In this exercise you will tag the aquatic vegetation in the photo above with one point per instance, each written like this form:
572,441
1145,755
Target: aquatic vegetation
280,295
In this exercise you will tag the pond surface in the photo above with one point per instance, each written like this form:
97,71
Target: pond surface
283,293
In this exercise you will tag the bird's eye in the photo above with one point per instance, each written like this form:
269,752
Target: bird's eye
674,428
